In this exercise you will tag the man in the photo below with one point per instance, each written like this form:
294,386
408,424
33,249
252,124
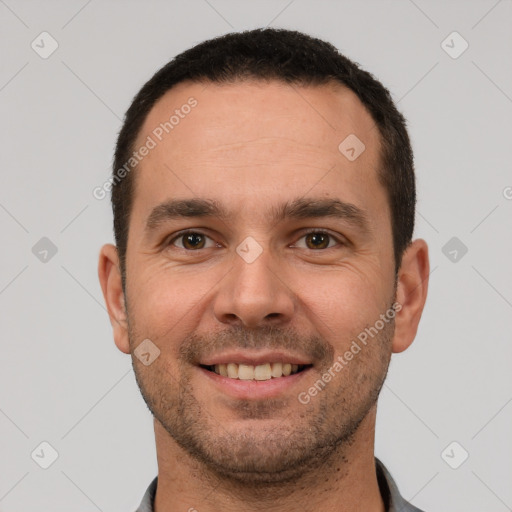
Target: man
264,272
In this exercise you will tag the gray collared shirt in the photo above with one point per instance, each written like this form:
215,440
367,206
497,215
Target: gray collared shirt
392,499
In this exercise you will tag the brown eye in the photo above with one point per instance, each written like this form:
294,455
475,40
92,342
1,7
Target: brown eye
193,241
190,240
317,240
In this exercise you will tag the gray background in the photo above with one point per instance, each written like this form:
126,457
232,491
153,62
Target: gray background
63,381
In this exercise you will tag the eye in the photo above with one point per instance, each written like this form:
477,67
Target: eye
318,239
315,239
191,240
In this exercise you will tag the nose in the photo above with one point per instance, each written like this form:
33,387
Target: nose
255,294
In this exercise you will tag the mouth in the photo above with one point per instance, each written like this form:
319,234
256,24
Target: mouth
255,375
260,372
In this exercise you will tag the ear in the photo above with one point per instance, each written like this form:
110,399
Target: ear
412,287
111,284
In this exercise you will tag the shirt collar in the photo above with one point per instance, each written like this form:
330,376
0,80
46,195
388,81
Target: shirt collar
393,500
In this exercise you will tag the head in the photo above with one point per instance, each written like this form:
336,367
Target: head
270,215
290,58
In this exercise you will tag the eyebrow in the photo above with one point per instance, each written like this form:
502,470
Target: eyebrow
300,208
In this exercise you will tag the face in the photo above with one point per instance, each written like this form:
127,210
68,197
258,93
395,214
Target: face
285,258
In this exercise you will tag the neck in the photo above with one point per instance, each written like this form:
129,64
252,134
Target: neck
346,481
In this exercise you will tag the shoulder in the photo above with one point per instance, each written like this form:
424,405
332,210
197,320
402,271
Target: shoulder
146,505
393,500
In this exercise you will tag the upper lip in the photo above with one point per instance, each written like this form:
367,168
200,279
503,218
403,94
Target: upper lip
254,358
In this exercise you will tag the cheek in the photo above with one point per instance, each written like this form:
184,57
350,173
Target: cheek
344,301
166,303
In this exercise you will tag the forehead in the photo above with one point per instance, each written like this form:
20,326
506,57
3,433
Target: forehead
254,140
319,114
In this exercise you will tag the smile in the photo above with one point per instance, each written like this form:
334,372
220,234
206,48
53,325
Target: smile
265,371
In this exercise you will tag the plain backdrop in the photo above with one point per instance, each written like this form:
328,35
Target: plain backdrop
64,382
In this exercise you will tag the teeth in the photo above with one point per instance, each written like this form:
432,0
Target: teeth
232,370
265,371
245,372
277,369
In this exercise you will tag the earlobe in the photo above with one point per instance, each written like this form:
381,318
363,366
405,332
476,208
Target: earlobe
411,293
111,285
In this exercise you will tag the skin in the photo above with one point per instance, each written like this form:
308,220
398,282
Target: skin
251,146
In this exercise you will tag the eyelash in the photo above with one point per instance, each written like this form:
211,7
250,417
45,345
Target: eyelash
182,234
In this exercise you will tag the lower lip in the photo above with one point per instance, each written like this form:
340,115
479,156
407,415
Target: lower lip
254,389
